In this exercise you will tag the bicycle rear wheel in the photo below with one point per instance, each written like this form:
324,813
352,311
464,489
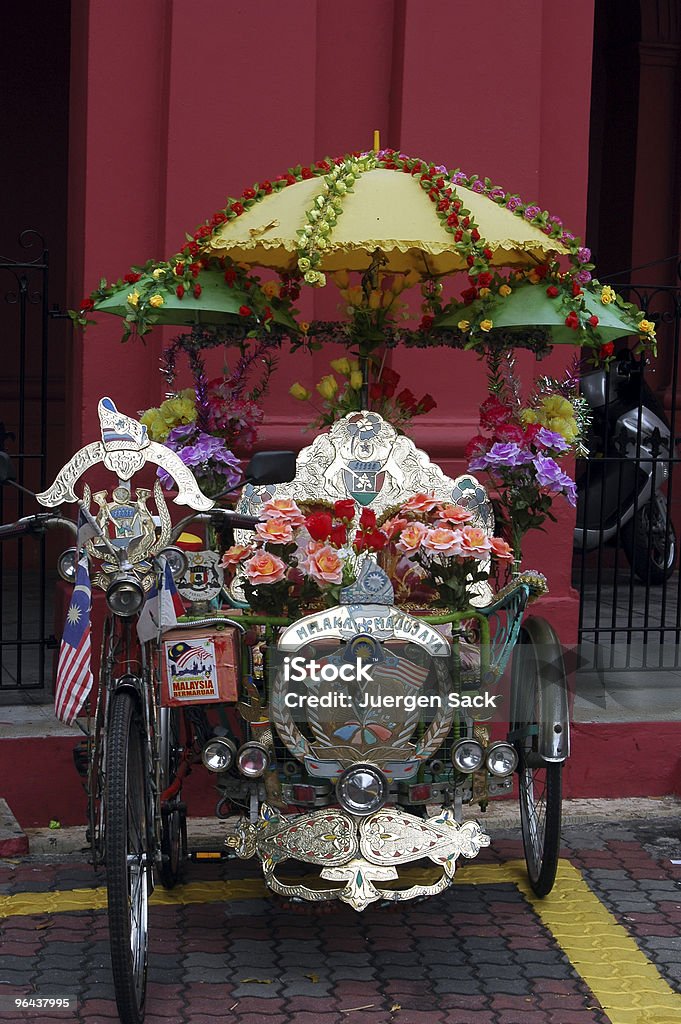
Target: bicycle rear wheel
128,857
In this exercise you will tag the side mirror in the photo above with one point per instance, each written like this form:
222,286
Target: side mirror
6,468
271,468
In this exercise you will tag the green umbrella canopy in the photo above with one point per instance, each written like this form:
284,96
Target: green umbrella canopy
211,298
569,319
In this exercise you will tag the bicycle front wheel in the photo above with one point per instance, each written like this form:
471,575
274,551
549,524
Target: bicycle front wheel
128,858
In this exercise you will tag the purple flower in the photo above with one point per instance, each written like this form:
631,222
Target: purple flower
502,454
497,194
551,439
566,237
584,255
459,177
210,455
531,212
441,169
556,220
513,202
583,276
478,185
550,475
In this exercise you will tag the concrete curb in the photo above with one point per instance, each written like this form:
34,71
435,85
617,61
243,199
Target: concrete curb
209,833
13,839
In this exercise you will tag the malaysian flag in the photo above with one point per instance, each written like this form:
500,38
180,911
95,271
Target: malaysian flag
402,671
161,607
74,674
184,654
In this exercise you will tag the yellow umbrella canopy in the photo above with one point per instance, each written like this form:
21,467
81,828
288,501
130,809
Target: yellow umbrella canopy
411,214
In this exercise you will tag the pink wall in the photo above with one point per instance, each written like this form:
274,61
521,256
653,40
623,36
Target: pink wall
200,100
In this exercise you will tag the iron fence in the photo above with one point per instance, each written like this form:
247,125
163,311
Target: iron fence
626,563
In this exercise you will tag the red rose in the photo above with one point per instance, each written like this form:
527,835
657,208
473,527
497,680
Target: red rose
576,290
487,253
453,220
470,260
339,535
306,173
248,193
375,392
344,509
388,390
469,295
607,349
179,291
179,269
376,540
132,278
476,446
87,304
267,313
367,518
427,321
484,280
443,205
230,276
203,231
593,320
541,271
319,525
509,432
390,376
407,400
475,235
218,218
427,403
531,431
552,291
572,320
493,413
266,187
237,208
195,269
458,235
466,222
323,165
245,311
197,290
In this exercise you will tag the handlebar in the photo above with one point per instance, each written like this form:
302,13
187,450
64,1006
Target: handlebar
35,524
238,520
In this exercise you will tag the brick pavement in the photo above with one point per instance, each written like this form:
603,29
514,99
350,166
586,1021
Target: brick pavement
478,954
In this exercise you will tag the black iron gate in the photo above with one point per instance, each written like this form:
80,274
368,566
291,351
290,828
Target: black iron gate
626,562
26,587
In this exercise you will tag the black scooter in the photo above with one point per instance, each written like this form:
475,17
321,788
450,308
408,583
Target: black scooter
620,488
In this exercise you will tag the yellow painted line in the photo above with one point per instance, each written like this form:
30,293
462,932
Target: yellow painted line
626,984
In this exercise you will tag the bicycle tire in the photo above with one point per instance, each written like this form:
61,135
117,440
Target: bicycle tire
128,859
173,820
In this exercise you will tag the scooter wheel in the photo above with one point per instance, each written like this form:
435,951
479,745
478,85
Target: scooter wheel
649,541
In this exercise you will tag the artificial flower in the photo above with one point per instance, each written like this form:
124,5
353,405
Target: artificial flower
298,392
156,301
323,563
264,568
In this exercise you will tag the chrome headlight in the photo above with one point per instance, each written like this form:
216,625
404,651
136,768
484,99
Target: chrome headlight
362,789
125,594
177,560
218,754
253,760
501,758
467,755
67,565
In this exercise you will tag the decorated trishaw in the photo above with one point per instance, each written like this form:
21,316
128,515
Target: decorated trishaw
338,659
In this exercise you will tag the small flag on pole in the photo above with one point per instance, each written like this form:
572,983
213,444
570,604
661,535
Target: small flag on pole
161,607
74,672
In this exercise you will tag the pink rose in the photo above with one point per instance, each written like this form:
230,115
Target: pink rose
285,508
234,555
443,541
420,503
411,537
500,549
275,530
323,563
264,567
474,542
453,514
393,526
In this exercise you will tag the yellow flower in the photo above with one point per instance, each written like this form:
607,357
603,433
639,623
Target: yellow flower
314,277
565,426
375,299
178,410
484,292
157,428
556,405
133,298
388,298
646,327
298,392
304,326
327,387
355,295
356,380
529,416
354,365
533,276
607,295
271,289
463,325
341,366
341,278
304,264
158,273
156,301
505,290
486,325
